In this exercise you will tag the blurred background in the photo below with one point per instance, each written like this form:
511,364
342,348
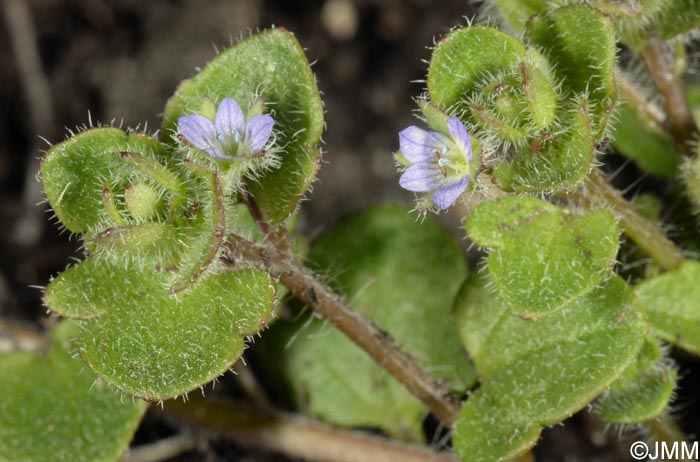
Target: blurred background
66,62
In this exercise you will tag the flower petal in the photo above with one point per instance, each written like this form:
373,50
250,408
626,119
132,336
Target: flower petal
229,118
447,194
198,130
258,131
217,154
459,135
421,177
419,145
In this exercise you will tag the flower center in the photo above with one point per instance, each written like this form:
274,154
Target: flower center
452,161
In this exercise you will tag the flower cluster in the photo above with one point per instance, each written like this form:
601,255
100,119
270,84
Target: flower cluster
440,163
228,136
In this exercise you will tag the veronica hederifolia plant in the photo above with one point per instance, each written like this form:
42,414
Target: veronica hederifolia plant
186,248
162,314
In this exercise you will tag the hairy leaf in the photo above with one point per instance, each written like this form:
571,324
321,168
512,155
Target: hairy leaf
537,373
543,257
643,391
462,59
270,64
151,343
80,173
580,42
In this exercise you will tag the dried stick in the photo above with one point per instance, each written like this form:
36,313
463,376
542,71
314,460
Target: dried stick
646,234
295,436
37,92
659,60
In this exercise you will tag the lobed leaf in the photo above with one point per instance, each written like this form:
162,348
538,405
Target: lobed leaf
270,64
52,410
543,257
643,391
554,161
151,343
537,373
464,57
402,275
580,43
76,172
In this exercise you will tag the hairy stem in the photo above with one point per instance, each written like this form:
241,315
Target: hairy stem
636,98
658,57
275,236
647,235
294,436
305,285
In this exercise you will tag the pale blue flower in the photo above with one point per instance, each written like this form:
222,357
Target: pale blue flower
439,162
228,136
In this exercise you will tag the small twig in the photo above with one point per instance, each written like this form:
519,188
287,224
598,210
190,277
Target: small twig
37,90
305,285
277,237
640,101
646,234
247,381
166,448
658,58
295,436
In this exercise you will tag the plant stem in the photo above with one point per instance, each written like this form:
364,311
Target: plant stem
647,235
247,381
277,237
297,437
305,285
636,97
161,450
659,59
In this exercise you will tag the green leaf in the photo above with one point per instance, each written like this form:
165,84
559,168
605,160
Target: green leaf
643,391
580,43
672,303
462,59
402,274
151,343
539,88
77,172
537,373
553,162
637,140
679,17
270,64
52,410
517,12
543,257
